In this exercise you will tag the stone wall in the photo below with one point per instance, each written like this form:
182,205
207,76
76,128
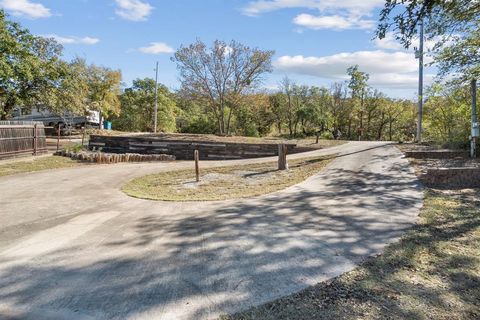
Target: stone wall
452,178
184,150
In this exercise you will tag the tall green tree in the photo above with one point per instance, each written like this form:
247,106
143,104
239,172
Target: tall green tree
447,114
29,67
103,89
358,86
137,108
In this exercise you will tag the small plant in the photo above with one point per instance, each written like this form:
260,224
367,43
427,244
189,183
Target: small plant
74,147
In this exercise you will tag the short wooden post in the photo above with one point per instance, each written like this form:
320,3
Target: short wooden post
58,138
197,171
35,139
282,157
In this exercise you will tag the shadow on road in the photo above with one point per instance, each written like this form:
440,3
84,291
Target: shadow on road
241,254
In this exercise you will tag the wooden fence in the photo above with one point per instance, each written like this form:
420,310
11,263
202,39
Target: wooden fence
22,138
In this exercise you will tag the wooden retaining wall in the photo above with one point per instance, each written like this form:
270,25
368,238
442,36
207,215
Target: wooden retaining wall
437,154
184,150
22,138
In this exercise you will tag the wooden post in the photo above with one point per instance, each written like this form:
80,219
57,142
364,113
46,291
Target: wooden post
35,139
282,157
197,171
58,138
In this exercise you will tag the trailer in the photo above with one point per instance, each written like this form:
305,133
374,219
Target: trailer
50,119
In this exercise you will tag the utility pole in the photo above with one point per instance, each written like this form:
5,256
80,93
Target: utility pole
419,55
156,100
475,126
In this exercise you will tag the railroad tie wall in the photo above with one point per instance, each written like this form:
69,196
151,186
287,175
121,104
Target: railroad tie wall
437,154
22,138
463,177
184,150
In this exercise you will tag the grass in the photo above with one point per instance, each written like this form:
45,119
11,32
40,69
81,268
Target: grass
432,273
222,183
38,164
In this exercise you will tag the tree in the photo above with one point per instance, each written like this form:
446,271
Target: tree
254,117
103,89
137,107
71,92
454,25
193,117
292,103
359,87
29,67
314,117
447,114
339,110
277,106
219,75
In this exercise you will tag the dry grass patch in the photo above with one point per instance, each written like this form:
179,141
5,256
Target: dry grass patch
222,183
36,164
432,273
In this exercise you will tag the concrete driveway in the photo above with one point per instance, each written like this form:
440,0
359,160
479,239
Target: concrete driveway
73,246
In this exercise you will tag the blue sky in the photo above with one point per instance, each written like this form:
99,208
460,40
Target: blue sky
315,40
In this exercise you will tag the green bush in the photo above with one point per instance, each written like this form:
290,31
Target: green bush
74,147
327,135
197,124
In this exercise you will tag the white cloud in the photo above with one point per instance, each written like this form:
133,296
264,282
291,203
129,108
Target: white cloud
134,10
386,69
157,48
333,14
26,8
73,40
390,43
332,22
358,6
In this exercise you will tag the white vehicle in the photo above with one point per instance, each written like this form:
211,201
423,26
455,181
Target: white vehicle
67,119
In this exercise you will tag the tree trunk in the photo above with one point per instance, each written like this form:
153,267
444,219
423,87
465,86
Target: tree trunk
390,131
222,119
282,157
219,123
380,130
7,108
290,127
360,134
228,122
349,131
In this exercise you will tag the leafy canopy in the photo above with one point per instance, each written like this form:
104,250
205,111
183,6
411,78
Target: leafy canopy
453,24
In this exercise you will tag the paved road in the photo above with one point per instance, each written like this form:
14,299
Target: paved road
73,246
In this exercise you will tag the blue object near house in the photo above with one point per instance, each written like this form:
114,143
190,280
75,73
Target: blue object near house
107,125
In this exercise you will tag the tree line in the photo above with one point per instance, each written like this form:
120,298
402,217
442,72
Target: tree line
32,74
221,90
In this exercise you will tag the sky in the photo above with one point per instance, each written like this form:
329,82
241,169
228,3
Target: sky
315,41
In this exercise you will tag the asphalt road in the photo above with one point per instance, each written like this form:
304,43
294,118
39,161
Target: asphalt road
73,246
